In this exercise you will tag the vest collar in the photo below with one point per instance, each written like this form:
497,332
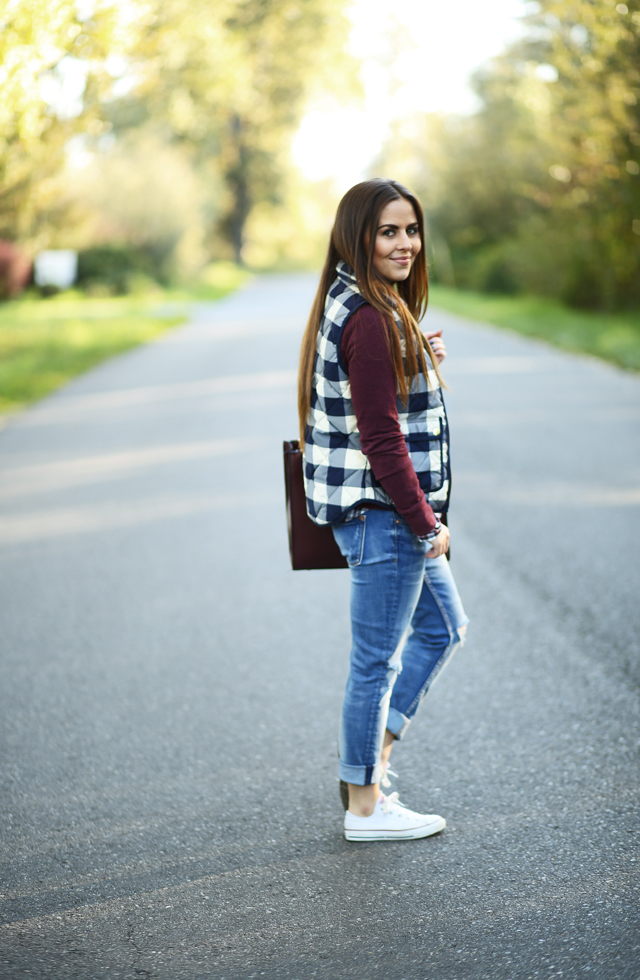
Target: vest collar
346,275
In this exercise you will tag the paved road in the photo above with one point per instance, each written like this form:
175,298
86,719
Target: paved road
171,689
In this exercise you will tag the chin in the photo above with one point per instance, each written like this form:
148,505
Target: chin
394,274
401,274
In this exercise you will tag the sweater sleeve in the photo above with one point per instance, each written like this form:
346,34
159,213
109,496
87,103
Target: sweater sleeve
373,391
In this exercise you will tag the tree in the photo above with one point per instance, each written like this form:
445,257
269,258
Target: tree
594,46
224,84
52,75
231,80
539,190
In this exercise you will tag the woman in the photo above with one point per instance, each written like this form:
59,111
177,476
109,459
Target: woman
375,433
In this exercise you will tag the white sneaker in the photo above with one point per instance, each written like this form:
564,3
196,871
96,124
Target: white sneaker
391,820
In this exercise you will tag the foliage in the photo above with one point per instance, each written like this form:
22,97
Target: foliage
143,195
111,266
201,99
53,76
612,336
15,270
291,234
218,279
230,81
540,190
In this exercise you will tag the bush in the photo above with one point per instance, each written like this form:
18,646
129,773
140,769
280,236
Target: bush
491,270
15,270
144,202
114,267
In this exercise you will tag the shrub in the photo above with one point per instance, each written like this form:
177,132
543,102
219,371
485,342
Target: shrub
15,270
112,266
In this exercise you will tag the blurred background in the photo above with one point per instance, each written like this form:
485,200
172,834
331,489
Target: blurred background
176,144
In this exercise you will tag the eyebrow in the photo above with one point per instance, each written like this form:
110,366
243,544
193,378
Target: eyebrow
388,224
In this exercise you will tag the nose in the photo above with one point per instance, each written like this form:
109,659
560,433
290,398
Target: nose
405,243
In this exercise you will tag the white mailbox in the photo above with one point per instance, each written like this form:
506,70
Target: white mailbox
56,267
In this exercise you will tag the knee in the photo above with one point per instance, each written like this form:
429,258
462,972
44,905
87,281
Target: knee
371,669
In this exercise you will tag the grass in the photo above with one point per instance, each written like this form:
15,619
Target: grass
612,336
46,342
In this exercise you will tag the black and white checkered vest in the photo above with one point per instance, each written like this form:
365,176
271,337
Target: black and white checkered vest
337,474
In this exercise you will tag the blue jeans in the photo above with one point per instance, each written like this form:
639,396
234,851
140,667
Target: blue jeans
393,587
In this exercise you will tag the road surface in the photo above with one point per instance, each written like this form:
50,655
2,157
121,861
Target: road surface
171,689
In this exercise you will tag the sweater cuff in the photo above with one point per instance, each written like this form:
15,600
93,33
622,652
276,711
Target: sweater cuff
409,500
432,534
422,521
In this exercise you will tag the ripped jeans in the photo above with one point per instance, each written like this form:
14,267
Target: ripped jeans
393,588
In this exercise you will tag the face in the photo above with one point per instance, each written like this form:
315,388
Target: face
397,241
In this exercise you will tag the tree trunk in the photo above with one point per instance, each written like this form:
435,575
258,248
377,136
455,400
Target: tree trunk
238,181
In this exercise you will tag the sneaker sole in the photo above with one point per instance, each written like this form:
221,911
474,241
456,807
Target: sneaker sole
415,833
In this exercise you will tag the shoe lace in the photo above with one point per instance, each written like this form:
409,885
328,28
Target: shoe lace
392,798
386,772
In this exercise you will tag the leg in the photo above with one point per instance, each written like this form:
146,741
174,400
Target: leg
362,799
438,629
386,580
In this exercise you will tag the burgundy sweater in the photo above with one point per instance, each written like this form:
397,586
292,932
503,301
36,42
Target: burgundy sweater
373,391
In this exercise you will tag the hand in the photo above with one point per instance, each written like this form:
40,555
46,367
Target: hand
440,544
437,345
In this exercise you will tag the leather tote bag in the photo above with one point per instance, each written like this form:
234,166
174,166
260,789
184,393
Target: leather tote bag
310,545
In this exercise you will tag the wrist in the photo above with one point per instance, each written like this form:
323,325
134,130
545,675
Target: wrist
433,533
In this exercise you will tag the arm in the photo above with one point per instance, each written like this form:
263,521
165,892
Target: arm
373,392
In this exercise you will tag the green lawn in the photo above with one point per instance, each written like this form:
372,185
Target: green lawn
46,342
612,336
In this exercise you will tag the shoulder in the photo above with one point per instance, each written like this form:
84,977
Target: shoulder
367,315
365,335
365,319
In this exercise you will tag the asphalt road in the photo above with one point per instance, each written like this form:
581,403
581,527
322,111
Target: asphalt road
170,688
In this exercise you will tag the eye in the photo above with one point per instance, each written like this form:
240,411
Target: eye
413,230
387,232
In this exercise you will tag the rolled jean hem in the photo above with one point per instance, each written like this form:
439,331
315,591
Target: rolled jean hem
360,775
397,723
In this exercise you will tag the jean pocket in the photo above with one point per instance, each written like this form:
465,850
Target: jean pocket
349,537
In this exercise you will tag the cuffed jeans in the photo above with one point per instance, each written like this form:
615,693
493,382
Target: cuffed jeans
393,587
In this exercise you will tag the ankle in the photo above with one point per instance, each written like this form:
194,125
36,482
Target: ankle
363,799
361,810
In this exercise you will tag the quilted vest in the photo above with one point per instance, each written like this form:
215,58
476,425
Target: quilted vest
337,474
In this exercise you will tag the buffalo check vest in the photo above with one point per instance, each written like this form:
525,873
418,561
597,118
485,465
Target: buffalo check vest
337,474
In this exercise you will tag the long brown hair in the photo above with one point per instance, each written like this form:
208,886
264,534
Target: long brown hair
353,240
